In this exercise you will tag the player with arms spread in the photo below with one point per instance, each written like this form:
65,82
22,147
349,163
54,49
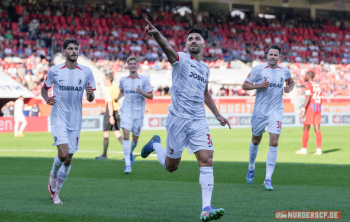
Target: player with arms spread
186,123
268,80
312,111
70,80
135,88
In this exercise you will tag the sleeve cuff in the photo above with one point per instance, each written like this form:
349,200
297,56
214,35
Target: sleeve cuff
94,90
150,91
46,86
178,58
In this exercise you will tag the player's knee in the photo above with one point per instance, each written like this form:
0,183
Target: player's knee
63,157
255,142
171,169
274,143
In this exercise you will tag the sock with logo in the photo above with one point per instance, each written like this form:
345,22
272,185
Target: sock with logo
305,138
206,180
126,148
271,161
133,145
253,152
62,176
57,163
319,139
161,153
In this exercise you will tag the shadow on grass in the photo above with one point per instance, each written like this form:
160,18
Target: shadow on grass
331,151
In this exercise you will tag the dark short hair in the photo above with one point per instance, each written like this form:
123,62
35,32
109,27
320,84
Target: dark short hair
109,77
276,47
132,58
196,30
68,41
311,74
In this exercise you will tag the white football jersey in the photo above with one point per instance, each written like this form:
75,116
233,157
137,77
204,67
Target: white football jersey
19,107
134,103
190,79
69,85
269,100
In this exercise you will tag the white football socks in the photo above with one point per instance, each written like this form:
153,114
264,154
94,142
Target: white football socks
133,145
56,166
62,176
161,153
271,161
206,180
253,151
23,126
126,148
16,128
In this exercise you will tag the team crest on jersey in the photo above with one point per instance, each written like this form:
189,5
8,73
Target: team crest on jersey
79,81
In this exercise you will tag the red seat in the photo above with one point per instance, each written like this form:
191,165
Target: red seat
14,26
103,22
54,19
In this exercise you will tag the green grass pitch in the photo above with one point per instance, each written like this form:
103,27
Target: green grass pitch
99,190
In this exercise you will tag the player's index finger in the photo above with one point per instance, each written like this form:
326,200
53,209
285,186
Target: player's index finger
149,23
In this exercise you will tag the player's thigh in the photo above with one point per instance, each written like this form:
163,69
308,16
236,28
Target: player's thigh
274,124
309,117
258,126
116,125
200,138
317,118
177,136
74,140
137,126
60,137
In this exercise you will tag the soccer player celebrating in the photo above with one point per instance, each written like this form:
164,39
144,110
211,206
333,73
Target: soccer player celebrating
135,88
312,111
111,119
70,80
186,123
268,80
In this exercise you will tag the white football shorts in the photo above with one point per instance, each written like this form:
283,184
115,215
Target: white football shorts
20,119
272,124
62,135
131,123
182,133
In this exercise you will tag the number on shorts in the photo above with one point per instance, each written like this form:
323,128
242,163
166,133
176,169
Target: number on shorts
209,140
279,124
77,140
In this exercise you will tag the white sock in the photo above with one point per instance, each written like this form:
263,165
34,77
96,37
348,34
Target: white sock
253,151
56,166
133,145
23,126
271,161
62,176
126,148
161,153
16,128
206,180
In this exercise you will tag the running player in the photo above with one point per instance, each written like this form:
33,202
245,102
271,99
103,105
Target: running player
268,80
111,119
135,88
19,117
312,111
70,80
186,123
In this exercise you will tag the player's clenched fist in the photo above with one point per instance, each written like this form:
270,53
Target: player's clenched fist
89,89
150,29
138,90
264,84
286,89
51,101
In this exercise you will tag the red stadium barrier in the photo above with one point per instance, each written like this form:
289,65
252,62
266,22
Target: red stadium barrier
35,124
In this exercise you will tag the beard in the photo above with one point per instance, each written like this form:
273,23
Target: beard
194,51
71,59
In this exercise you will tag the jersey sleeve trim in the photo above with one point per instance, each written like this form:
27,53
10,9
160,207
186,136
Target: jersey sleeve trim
94,90
150,91
46,86
178,58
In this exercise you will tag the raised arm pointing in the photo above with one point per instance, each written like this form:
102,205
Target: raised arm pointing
162,42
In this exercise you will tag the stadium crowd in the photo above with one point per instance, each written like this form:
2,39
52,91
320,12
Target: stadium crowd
108,35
